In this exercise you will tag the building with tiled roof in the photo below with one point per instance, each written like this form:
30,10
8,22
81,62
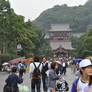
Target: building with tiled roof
59,36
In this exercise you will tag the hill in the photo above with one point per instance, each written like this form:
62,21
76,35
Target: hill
79,17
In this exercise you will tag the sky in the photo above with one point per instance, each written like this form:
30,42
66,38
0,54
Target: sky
31,9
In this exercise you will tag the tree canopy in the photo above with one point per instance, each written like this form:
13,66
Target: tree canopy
14,30
84,45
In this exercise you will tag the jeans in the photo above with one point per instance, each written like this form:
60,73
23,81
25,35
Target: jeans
35,83
44,83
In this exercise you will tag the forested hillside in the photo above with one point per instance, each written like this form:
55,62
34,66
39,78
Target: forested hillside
79,17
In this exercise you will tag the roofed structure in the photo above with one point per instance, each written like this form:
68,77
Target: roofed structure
60,27
59,36
56,44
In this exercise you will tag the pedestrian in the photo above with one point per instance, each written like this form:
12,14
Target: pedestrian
62,85
45,67
12,81
59,70
81,84
21,68
52,77
35,74
64,65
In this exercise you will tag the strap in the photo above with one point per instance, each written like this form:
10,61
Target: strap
36,66
39,65
78,86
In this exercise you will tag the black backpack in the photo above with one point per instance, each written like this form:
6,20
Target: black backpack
22,68
36,72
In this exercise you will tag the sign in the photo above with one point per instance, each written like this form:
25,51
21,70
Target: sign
19,47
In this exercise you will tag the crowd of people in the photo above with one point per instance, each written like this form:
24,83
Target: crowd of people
49,73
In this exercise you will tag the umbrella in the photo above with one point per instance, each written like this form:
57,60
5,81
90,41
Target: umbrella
5,63
16,60
77,60
28,60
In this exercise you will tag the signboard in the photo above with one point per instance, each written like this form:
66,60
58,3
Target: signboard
19,47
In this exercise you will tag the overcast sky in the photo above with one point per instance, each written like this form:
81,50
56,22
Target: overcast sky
31,9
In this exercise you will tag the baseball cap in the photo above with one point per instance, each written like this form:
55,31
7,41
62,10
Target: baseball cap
85,63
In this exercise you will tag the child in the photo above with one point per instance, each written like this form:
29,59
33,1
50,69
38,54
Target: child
62,85
12,81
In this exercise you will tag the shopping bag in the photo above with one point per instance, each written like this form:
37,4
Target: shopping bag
23,88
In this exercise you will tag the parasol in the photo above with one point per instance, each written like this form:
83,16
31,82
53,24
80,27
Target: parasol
28,60
5,63
77,60
16,60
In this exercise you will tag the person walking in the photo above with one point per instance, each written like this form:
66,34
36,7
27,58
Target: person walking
52,77
59,70
35,74
81,84
64,67
21,68
45,67
12,81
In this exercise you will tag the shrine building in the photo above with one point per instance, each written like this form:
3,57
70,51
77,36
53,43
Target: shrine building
59,37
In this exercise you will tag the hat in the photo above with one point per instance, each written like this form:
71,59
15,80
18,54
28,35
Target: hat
85,63
58,62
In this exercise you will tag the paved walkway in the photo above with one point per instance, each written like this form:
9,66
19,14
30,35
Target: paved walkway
69,78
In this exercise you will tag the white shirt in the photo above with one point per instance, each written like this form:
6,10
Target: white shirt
82,86
32,67
48,64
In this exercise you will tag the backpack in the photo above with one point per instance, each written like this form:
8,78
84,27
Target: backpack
36,72
22,69
75,86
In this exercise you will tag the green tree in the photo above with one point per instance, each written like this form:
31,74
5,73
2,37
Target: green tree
85,43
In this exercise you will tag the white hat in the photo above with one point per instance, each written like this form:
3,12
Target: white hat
85,63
